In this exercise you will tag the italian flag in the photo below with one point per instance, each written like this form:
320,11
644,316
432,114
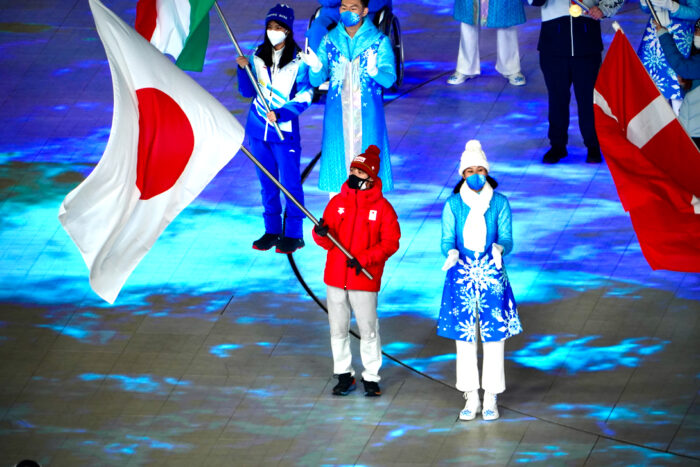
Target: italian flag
176,27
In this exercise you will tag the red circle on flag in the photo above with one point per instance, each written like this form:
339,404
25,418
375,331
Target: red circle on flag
166,142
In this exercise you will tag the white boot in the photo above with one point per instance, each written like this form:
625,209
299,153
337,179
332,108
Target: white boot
472,407
490,411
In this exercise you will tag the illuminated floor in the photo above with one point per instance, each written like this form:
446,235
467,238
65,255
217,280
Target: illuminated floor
214,355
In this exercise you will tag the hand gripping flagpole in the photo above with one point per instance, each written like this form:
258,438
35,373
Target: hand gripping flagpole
300,206
247,68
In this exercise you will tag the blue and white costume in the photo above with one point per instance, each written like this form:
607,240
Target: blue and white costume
681,28
477,297
288,94
354,114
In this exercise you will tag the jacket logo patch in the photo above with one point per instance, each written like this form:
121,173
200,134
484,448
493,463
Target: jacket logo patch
341,210
373,215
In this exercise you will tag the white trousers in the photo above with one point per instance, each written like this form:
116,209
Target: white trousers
340,305
493,379
507,54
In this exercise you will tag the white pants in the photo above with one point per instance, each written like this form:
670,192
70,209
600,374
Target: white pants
340,304
493,379
507,56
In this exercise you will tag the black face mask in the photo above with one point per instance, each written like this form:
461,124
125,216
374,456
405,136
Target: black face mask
356,182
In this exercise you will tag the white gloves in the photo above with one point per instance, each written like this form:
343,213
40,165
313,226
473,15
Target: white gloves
643,2
372,69
311,59
497,252
452,258
664,17
669,5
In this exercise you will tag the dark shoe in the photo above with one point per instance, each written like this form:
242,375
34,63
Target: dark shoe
289,245
266,242
346,384
594,156
372,389
554,155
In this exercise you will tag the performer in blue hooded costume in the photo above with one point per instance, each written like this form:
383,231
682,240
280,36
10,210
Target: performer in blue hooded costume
358,61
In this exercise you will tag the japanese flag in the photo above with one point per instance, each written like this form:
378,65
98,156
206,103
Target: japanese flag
169,138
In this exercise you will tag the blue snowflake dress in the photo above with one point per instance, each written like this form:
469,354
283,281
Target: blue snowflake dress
654,60
477,297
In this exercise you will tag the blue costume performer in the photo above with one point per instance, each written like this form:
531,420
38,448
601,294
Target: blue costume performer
679,19
477,299
359,61
284,81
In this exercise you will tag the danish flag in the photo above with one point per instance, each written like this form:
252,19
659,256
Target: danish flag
653,161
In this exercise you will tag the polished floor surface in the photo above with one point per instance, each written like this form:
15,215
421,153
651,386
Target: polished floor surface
214,354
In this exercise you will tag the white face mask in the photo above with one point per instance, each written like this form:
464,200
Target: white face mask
276,37
696,42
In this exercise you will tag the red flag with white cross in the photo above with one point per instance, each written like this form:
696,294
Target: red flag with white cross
653,161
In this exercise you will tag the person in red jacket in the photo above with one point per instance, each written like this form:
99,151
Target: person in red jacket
365,223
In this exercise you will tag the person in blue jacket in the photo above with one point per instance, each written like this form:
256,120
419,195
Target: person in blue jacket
284,80
688,70
329,17
503,15
358,61
678,17
477,299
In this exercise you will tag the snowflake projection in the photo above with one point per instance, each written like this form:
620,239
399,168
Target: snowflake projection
477,273
467,329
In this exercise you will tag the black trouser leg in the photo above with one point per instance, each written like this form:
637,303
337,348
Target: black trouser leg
585,71
558,79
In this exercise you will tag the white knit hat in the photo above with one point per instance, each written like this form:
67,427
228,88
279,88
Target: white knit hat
473,156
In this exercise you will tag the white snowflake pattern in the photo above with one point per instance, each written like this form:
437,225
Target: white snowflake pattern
477,273
510,322
467,329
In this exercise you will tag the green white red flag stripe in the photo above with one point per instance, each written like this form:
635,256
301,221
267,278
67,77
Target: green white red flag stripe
179,28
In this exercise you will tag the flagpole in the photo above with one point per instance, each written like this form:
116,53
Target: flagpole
653,13
300,206
247,68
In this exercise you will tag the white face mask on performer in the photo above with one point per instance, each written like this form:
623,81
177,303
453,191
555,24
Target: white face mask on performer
276,37
696,42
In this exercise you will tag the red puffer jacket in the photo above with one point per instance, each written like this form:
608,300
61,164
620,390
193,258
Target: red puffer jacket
366,224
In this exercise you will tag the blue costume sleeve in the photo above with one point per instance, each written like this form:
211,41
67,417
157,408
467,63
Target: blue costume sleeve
688,12
505,229
301,101
321,76
688,68
245,86
330,3
386,76
449,239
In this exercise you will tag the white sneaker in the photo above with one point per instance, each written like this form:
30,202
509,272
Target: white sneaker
490,411
472,407
516,79
458,78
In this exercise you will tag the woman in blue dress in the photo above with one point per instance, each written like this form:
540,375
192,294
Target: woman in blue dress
477,299
679,18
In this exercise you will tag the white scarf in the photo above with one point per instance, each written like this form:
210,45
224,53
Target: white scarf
474,232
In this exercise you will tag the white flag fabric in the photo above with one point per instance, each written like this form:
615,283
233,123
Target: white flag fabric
169,138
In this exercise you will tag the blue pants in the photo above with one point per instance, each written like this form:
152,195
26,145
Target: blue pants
282,160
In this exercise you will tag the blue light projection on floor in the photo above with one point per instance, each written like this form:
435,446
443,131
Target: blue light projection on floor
140,383
548,353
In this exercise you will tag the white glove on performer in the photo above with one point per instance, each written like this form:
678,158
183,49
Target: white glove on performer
664,18
643,2
452,258
311,59
669,5
497,252
372,69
